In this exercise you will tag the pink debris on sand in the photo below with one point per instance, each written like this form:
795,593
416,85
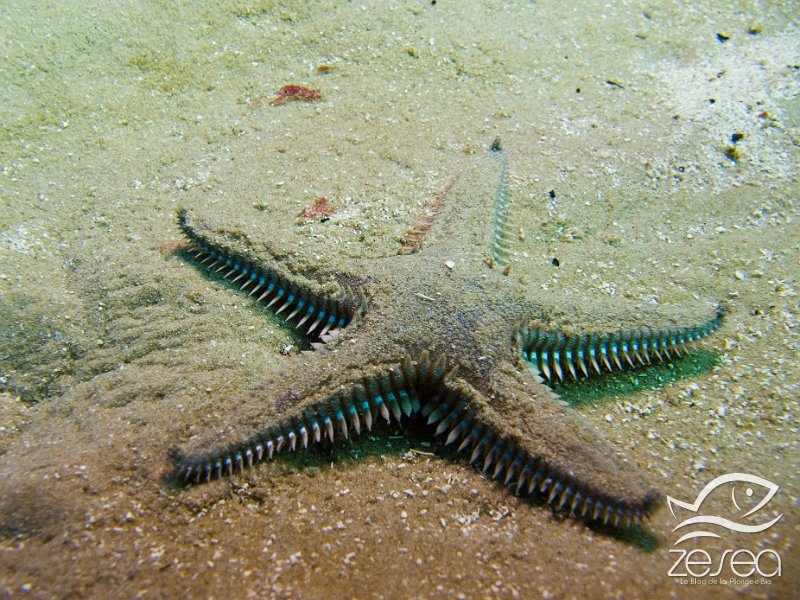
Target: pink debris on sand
320,209
295,92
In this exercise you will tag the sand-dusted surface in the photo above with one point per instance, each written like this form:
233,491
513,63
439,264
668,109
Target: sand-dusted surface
112,351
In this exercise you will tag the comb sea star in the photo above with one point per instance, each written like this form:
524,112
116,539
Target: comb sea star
468,351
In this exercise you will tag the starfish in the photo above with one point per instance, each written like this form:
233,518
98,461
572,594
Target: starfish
423,336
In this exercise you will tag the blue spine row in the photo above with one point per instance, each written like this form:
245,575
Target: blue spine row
267,285
557,354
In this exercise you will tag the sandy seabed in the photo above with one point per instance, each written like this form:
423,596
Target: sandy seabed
653,151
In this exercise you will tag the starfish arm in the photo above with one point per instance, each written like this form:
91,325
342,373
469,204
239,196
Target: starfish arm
519,434
463,221
275,287
557,353
361,398
522,436
502,227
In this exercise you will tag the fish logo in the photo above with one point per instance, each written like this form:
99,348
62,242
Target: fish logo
721,521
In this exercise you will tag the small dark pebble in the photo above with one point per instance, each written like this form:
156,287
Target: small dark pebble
556,263
577,90
552,193
722,37
711,100
736,137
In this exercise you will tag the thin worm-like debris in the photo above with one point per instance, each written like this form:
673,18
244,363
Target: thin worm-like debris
426,219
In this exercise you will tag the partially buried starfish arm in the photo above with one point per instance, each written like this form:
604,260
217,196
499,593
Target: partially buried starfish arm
275,286
518,435
462,224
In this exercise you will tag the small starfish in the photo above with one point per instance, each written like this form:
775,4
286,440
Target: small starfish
467,351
